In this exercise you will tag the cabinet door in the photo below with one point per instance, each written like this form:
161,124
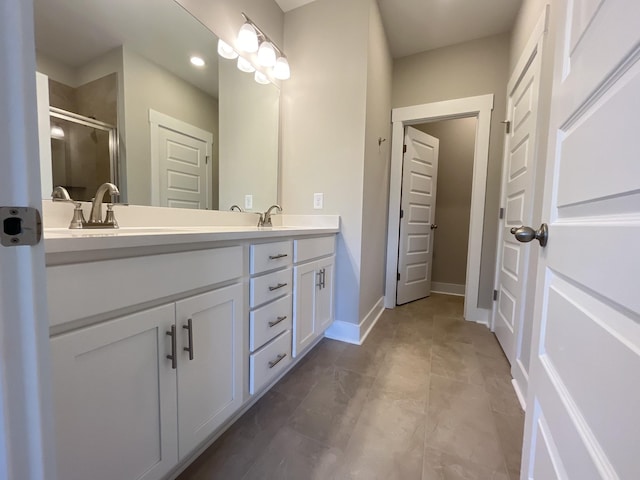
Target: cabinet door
304,298
209,385
115,399
324,295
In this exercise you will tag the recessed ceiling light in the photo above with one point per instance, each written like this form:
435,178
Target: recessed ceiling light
197,61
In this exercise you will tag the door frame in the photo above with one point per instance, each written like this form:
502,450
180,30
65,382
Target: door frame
479,107
26,405
157,120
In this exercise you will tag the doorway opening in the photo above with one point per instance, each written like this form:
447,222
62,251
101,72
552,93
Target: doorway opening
480,108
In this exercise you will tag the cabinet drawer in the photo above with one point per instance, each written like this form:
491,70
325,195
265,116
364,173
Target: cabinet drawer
269,256
269,361
269,287
309,248
270,321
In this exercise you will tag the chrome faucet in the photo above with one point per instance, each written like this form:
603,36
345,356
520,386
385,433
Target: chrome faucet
60,194
95,217
265,219
236,208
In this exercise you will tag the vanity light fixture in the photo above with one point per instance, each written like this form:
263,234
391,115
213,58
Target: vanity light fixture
281,70
197,61
57,131
266,54
261,78
226,51
245,65
248,38
251,39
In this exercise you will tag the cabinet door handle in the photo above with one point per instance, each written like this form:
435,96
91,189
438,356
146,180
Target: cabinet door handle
277,360
189,328
319,284
173,357
278,320
280,255
280,285
324,277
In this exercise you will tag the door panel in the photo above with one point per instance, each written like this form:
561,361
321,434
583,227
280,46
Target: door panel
419,179
184,181
210,385
304,299
517,197
587,350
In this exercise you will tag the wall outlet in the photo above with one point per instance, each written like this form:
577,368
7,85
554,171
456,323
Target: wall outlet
248,202
318,200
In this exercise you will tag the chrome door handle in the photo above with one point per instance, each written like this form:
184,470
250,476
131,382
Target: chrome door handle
277,360
280,255
277,321
280,285
433,226
527,234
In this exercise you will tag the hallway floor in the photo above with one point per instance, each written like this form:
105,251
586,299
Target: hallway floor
428,396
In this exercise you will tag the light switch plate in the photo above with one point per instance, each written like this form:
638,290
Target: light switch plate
318,200
248,202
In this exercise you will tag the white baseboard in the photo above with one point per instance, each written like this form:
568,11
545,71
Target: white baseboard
352,333
448,288
521,399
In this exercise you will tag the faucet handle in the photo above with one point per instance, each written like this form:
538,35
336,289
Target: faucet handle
110,217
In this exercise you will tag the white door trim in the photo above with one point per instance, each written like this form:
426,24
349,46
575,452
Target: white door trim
26,407
480,107
157,120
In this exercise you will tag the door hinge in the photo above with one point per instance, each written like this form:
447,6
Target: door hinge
495,295
398,278
401,213
404,149
507,125
501,213
20,226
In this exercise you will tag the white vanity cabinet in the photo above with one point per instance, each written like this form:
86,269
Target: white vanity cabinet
313,290
115,399
270,318
135,395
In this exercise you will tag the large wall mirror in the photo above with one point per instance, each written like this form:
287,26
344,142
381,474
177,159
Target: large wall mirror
119,100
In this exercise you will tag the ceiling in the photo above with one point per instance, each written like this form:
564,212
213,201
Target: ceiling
414,26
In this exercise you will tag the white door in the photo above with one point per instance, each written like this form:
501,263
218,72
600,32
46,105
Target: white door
519,171
583,412
115,399
181,168
210,374
418,211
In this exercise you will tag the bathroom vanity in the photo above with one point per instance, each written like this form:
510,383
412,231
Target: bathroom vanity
162,336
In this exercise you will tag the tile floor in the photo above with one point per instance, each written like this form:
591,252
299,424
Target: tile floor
428,396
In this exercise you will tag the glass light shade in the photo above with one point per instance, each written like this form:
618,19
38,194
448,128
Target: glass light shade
225,50
245,65
248,38
57,131
281,70
261,78
267,54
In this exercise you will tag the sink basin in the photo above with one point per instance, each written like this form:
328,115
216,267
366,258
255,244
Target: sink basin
112,232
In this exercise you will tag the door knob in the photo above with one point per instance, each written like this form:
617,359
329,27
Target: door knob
433,226
527,234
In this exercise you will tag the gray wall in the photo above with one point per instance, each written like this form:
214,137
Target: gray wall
468,69
453,197
376,165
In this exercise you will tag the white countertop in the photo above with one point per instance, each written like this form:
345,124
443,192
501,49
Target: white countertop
63,240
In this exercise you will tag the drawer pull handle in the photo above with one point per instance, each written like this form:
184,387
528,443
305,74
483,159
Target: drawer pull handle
173,357
280,255
280,285
277,360
189,328
279,319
